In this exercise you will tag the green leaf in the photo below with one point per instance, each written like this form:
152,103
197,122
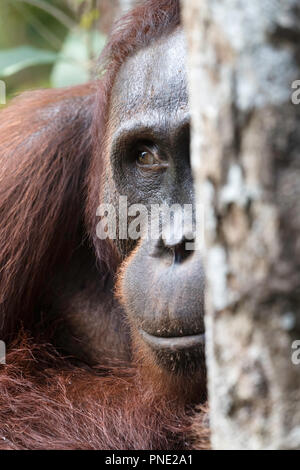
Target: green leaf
19,58
89,18
73,66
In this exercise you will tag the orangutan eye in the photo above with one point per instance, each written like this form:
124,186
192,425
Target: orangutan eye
147,158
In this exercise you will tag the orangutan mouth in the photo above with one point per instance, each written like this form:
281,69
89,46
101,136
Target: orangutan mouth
174,343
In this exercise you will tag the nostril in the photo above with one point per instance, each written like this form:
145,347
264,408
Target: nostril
181,252
175,253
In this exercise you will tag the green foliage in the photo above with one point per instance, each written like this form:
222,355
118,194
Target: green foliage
88,19
73,65
16,59
49,50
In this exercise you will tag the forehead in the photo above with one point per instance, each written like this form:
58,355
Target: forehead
153,80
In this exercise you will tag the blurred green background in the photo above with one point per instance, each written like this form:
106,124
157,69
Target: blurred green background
51,43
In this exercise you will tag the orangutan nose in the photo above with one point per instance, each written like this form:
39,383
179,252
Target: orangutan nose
178,242
181,250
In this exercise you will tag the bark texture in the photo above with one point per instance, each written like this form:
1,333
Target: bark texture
243,58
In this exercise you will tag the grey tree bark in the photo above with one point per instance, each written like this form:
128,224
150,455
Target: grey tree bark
244,57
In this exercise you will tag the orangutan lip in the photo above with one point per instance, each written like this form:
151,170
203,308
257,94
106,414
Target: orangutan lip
173,344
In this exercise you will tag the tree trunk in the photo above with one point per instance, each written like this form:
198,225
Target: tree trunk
243,59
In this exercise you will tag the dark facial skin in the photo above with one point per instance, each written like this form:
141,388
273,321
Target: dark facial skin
162,284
